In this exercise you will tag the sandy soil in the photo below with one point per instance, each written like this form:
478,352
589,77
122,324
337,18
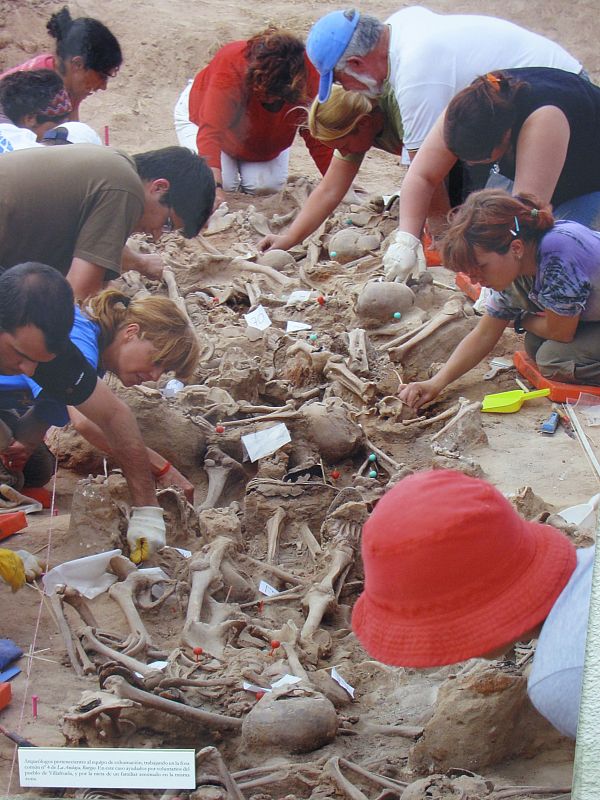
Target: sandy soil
165,43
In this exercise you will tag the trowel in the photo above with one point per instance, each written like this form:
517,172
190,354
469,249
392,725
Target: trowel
583,515
509,402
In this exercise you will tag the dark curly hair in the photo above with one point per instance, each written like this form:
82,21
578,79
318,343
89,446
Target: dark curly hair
31,92
276,65
87,38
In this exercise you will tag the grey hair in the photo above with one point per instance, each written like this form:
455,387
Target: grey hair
364,39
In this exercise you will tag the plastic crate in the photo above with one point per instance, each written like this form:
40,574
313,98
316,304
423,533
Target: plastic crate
559,392
472,290
11,523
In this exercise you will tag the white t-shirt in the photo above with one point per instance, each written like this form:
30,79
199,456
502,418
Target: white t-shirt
14,138
434,56
554,684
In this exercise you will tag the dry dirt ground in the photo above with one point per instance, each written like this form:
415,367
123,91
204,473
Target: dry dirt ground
164,43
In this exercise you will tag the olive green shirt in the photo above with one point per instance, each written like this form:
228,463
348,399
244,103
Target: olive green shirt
390,137
59,203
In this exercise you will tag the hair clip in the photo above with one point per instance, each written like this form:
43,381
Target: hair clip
493,80
517,229
534,212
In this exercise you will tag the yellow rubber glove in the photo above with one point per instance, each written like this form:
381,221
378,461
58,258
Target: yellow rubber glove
12,569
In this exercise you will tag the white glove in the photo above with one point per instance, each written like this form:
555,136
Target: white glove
403,257
33,566
146,532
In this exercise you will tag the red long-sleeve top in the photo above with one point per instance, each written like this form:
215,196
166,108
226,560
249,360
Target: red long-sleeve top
230,118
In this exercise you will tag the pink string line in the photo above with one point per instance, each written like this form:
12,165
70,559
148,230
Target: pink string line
36,629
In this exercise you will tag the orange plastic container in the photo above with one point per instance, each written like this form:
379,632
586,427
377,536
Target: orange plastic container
11,523
472,290
433,257
559,392
5,695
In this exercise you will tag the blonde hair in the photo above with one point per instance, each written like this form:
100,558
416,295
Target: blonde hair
339,116
160,322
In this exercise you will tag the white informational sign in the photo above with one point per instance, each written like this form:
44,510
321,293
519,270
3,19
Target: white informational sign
293,326
258,318
106,768
263,443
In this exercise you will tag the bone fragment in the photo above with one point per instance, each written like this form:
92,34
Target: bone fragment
216,722
210,764
357,348
65,632
219,467
274,527
451,310
464,407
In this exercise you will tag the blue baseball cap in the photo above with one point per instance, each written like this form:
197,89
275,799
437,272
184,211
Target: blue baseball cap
327,43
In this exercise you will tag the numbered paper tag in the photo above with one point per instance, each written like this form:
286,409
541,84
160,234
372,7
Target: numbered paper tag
344,684
263,443
253,687
267,589
258,318
286,680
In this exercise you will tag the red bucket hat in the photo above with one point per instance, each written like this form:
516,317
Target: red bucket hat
453,572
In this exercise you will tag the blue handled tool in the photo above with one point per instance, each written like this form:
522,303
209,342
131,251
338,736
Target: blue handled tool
551,424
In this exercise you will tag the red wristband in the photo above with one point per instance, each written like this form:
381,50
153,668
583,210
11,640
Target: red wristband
163,470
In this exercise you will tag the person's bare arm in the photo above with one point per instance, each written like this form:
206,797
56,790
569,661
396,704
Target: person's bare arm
473,348
119,426
322,201
86,278
94,435
426,173
150,265
439,205
540,153
549,325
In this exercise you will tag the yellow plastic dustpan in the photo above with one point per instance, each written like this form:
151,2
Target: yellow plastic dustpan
509,402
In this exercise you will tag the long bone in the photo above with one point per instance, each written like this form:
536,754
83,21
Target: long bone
334,370
216,722
205,569
358,362
210,765
288,411
123,593
65,632
464,408
346,521
274,529
219,467
150,674
451,310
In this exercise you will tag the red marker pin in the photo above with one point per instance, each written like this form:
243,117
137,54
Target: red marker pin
321,300
34,705
274,645
220,429
259,695
198,652
335,474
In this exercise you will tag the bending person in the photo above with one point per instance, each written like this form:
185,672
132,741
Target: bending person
36,317
87,55
243,110
352,124
545,277
446,581
34,103
542,129
74,208
136,340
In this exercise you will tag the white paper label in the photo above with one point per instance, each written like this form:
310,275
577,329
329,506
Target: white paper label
299,296
253,687
107,768
293,326
286,680
258,318
263,443
267,589
344,684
